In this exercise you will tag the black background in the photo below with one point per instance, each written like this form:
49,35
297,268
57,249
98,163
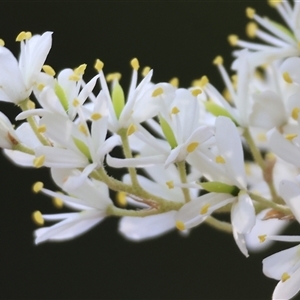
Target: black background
175,38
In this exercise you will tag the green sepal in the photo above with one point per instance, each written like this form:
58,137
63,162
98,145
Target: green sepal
219,187
118,99
284,29
168,132
218,110
60,93
83,148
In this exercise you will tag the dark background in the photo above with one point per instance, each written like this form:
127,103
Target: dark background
176,38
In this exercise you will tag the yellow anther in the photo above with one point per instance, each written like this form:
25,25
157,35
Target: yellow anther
121,199
285,276
233,39
74,77
175,110
2,43
270,156
196,92
274,3
170,184
180,225
145,71
290,136
39,161
204,209
37,218
287,78
80,70
261,137
295,113
57,202
96,116
37,187
98,65
262,238
23,36
218,60
174,81
48,70
192,146
157,92
76,102
250,12
251,29
113,76
135,64
131,129
82,128
226,94
30,104
42,129
220,159
40,86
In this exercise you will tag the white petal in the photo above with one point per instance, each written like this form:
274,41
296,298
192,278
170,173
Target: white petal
20,158
240,241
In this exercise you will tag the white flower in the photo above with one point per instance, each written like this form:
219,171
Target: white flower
17,78
91,198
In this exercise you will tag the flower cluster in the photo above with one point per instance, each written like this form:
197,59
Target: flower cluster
183,148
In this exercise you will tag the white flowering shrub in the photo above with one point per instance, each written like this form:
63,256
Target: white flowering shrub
183,148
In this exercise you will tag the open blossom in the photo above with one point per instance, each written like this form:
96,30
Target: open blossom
18,77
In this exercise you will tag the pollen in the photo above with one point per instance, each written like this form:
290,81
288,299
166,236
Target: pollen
170,184
98,65
42,129
175,110
287,78
113,76
145,71
274,3
76,102
218,60
295,113
57,202
23,36
180,225
262,238
157,92
204,209
251,29
131,129
37,218
174,82
135,64
196,92
285,276
290,136
233,39
2,43
37,187
39,161
220,159
82,128
192,146
121,199
250,12
48,70
96,116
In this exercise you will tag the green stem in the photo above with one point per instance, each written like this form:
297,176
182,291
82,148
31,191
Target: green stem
182,174
22,148
220,225
119,212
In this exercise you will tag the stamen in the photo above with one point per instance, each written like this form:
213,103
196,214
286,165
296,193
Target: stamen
261,137
76,102
180,225
175,110
192,146
233,39
203,81
39,161
23,36
274,3
82,128
170,184
174,81
42,129
285,276
250,12
121,199
96,116
98,65
204,209
157,92
295,113
30,104
220,159
251,29
2,43
287,78
145,71
113,76
37,218
57,202
135,64
131,129
290,136
218,60
40,86
48,70
80,70
262,238
37,187
196,92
